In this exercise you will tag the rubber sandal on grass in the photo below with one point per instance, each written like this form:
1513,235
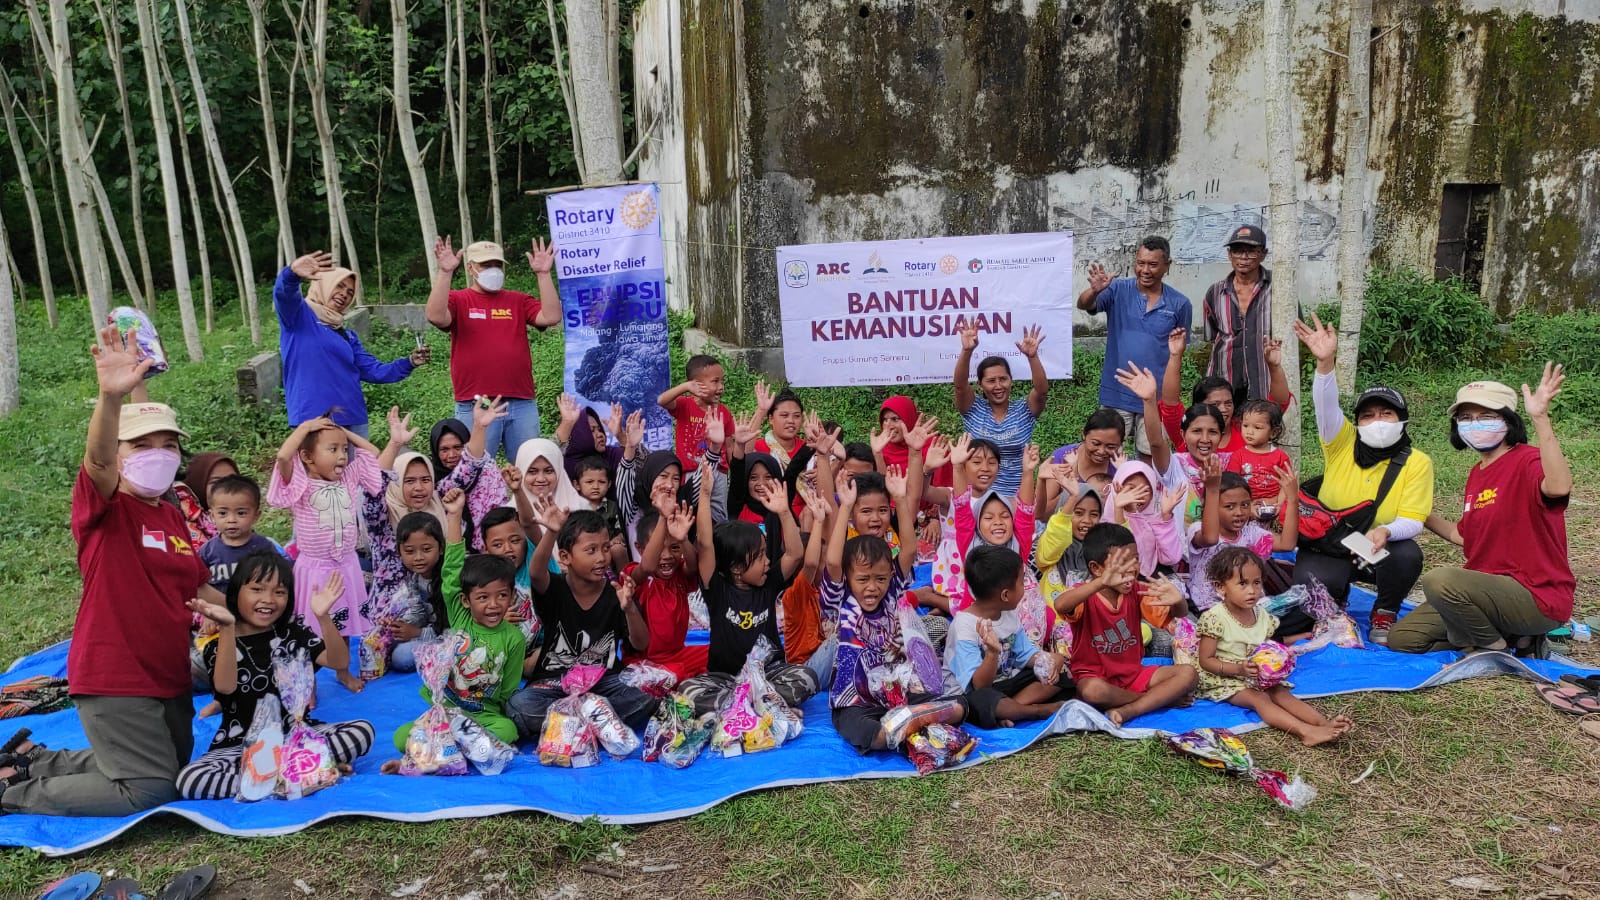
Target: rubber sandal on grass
121,889
81,886
191,885
1569,699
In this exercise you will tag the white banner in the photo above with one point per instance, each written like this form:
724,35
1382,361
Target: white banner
888,312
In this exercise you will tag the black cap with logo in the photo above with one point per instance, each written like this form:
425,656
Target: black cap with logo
1251,235
1387,396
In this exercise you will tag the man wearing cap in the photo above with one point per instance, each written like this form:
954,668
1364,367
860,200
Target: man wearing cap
1370,461
488,328
1238,317
1141,313
128,666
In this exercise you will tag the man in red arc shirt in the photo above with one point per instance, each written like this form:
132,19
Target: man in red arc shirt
488,327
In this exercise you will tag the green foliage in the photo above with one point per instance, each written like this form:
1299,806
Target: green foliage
1413,319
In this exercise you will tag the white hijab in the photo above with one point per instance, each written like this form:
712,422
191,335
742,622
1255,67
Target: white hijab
566,496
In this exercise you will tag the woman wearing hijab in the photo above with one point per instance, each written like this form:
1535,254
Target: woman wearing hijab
324,362
543,475
461,462
581,434
192,492
1371,461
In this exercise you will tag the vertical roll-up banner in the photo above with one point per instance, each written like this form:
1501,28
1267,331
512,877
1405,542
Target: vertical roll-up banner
613,299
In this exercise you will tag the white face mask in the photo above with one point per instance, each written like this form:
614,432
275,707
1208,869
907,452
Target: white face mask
492,280
1482,435
1382,434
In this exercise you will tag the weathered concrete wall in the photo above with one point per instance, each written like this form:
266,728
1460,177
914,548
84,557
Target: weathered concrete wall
825,120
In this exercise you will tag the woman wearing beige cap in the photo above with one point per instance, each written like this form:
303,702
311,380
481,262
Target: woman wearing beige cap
128,666
1517,583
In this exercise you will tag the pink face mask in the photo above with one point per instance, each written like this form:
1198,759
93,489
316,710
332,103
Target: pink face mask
150,472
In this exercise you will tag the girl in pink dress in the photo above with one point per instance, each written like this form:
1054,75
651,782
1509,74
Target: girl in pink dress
321,474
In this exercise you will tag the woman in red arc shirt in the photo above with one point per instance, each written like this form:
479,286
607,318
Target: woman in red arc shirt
1517,584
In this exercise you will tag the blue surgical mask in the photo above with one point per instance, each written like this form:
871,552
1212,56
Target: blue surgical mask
1482,435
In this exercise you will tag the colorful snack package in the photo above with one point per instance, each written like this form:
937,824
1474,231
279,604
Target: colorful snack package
305,761
902,722
675,736
487,753
258,764
128,318
431,745
569,739
650,678
615,737
924,660
1185,641
1275,663
892,685
373,654
736,717
938,746
1219,748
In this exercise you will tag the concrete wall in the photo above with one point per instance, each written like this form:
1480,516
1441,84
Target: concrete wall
822,120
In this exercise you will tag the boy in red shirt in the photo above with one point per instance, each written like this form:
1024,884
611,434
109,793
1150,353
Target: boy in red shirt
666,574
690,403
1107,661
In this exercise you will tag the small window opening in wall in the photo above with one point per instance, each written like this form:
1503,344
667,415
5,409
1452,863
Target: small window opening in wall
968,14
1465,211
864,11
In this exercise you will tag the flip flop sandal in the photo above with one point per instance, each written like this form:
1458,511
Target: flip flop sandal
77,887
191,885
15,741
121,889
1590,683
1569,699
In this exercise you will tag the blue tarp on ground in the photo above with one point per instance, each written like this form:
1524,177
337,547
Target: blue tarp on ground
633,791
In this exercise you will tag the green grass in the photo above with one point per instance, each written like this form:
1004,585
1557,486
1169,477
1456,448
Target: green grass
1472,780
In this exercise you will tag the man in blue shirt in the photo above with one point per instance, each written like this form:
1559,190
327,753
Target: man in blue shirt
1140,313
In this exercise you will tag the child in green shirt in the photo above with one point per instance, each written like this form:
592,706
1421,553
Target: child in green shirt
478,592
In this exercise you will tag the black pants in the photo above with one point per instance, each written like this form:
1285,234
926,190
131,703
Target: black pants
1394,579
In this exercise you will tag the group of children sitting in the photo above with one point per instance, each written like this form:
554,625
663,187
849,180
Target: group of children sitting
591,548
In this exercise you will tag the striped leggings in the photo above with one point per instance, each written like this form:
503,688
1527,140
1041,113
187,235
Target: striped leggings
215,776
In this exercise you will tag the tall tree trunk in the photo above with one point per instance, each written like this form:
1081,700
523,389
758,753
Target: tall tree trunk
41,252
113,28
401,50
75,163
1278,28
565,80
16,273
455,109
1353,257
108,218
338,216
10,369
593,83
269,129
208,131
149,39
53,155
191,178
491,145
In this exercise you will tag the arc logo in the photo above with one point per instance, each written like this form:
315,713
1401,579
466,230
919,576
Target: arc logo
796,273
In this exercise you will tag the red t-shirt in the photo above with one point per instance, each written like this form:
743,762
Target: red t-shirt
689,439
1106,642
1510,528
489,344
131,638
1257,468
664,603
1172,421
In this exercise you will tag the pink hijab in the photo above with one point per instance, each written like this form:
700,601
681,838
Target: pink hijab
1158,540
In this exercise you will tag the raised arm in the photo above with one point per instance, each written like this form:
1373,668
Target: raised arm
650,557
118,368
703,526
550,518
1211,512
1557,483
286,297
1289,508
776,502
905,513
542,259
817,512
841,531
438,309
1277,380
1142,382
963,376
335,650
1029,345
1099,280
291,444
225,667
400,434
1323,342
570,411
1172,378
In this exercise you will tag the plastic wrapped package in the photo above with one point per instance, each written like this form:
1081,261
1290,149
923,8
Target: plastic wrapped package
569,739
128,318
903,721
1278,604
258,764
615,737
1219,748
1319,604
373,654
1274,663
1185,641
938,746
675,736
488,754
754,717
431,745
919,649
650,678
787,723
305,761
893,685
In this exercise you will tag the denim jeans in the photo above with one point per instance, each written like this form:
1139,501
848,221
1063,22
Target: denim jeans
520,425
363,430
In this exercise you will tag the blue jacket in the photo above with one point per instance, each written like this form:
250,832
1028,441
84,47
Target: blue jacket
323,367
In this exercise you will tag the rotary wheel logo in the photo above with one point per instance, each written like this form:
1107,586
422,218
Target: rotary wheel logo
948,264
974,266
638,210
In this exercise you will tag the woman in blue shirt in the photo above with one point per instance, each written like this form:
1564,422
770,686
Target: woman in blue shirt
1006,422
324,362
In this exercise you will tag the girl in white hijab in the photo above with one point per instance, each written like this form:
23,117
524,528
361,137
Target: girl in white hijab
544,475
